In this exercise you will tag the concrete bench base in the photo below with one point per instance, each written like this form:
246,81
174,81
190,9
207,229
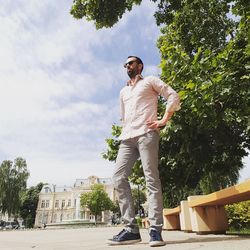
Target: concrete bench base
210,219
171,218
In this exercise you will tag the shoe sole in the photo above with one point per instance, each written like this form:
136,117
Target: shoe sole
127,242
157,243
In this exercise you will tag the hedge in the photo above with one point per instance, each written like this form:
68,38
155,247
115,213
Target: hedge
239,215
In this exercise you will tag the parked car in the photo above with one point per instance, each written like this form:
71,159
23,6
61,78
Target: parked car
11,225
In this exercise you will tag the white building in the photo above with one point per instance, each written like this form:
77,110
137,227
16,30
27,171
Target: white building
62,204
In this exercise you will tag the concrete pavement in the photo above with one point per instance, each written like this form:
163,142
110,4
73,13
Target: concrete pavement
95,239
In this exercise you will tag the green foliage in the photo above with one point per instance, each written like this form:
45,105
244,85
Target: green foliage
203,146
104,13
139,221
13,179
96,200
113,144
199,22
29,201
239,215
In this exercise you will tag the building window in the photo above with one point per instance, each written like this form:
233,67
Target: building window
43,204
57,203
69,203
63,203
47,204
74,202
46,189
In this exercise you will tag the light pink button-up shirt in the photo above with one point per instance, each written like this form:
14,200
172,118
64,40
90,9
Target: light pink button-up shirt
138,103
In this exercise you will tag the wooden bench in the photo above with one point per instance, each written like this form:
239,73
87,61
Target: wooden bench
171,218
207,212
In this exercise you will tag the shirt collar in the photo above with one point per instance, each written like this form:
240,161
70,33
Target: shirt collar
137,79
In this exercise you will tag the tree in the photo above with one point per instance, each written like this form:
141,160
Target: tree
104,13
29,201
205,57
97,200
209,137
13,179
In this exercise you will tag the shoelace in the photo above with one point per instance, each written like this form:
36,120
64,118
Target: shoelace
119,234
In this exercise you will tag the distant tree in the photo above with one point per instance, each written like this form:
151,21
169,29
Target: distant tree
97,200
29,201
13,180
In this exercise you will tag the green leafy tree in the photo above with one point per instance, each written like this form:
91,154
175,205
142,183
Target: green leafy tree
97,200
104,13
204,56
13,179
209,137
29,201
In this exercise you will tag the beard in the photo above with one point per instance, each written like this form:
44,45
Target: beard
132,72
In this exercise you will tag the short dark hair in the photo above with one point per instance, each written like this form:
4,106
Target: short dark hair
138,60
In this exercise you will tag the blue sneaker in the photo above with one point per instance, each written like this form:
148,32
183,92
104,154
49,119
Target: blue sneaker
124,238
155,238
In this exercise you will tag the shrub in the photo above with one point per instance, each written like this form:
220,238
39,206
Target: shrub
239,215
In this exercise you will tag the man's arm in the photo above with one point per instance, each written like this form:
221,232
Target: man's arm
160,123
121,108
173,102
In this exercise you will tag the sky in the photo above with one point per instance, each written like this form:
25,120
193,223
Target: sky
59,86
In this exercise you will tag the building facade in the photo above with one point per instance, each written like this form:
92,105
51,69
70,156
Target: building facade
62,204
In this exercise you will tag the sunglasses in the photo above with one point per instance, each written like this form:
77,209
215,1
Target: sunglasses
129,63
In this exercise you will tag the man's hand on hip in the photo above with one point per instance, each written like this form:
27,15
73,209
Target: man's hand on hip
155,124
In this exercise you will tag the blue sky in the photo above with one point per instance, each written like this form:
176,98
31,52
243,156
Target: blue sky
59,85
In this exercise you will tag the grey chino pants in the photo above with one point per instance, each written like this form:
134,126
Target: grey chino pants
146,147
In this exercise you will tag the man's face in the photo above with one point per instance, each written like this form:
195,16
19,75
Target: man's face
132,67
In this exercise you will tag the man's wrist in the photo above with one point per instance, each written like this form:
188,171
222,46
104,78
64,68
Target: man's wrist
166,118
161,123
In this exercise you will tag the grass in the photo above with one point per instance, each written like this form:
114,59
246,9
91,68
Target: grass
243,231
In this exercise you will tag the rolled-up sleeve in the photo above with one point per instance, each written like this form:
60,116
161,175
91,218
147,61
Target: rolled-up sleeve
121,108
172,97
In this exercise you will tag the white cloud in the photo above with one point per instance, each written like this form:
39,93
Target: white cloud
245,172
59,88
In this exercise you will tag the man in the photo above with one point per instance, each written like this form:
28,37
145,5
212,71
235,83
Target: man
140,138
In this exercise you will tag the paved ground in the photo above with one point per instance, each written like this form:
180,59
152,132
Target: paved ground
94,239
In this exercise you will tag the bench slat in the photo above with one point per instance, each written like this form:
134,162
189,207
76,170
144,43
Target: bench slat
237,193
171,211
